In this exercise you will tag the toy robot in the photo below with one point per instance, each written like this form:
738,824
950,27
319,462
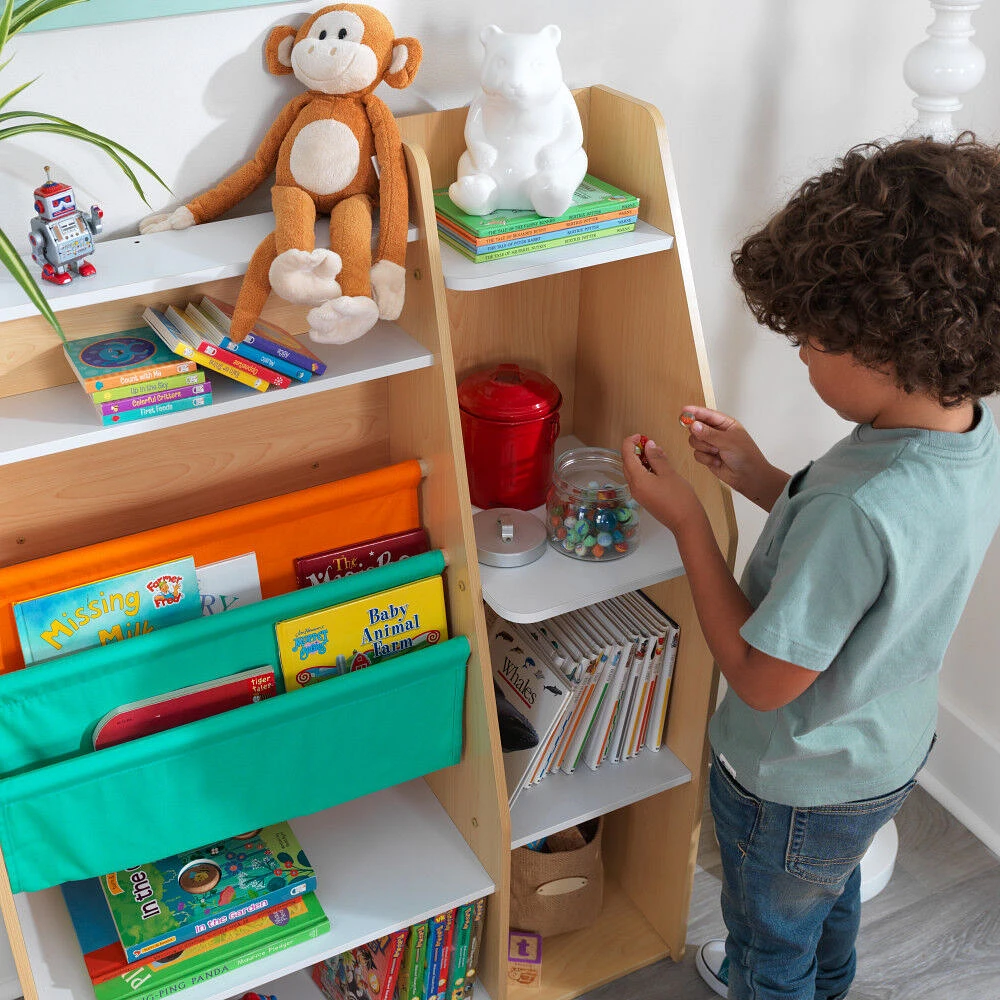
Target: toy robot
61,235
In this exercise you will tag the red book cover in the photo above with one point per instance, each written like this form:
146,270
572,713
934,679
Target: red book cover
189,704
368,972
321,567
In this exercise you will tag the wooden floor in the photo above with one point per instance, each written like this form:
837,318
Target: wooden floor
933,933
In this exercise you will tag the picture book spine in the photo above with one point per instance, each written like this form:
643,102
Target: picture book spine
475,946
548,238
156,409
276,378
139,983
552,227
165,370
661,697
435,951
152,398
444,965
531,247
266,360
599,738
460,951
145,388
255,338
187,932
320,567
413,987
388,987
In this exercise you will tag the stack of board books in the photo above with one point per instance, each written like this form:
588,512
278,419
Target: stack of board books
597,209
432,960
132,376
171,924
588,687
268,357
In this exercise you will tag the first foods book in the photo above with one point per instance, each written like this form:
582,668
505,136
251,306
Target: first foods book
165,903
120,607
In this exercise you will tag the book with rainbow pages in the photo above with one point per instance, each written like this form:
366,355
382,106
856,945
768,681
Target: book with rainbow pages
592,197
356,634
119,607
165,903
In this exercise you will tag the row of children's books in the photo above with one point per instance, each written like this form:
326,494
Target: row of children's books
597,209
314,646
432,960
165,926
589,687
161,367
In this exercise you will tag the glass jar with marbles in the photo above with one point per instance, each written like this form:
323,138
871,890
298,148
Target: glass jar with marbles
590,513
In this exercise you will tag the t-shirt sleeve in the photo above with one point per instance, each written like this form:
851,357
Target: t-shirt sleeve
830,570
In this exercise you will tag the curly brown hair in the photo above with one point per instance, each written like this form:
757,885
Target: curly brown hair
893,256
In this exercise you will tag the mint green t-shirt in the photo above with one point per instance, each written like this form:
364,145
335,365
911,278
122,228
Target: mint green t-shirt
861,573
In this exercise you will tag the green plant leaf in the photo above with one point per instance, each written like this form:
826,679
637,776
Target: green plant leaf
32,10
5,17
12,261
17,90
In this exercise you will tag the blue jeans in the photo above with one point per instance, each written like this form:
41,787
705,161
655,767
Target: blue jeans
791,889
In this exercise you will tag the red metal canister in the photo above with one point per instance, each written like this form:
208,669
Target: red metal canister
510,422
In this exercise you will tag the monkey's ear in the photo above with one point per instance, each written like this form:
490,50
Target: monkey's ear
406,56
278,50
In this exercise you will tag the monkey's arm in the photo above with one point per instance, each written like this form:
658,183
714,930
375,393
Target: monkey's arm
393,193
234,188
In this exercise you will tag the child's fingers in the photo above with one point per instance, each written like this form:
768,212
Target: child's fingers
712,418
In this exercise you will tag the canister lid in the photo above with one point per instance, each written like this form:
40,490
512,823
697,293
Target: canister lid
506,536
508,392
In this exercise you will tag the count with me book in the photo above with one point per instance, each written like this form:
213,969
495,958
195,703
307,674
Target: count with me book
167,902
104,611
358,633
109,361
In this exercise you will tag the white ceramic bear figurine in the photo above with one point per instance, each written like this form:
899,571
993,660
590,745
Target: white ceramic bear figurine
523,134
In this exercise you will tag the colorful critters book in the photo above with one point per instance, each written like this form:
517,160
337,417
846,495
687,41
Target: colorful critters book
281,927
321,567
102,949
175,333
153,404
168,902
122,359
187,704
104,611
270,339
369,972
356,634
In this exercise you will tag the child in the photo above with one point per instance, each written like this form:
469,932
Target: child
883,271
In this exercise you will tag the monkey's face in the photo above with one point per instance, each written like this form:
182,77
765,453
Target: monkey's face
329,55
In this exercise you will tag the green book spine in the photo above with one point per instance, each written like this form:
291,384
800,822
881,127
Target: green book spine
144,388
475,943
415,981
460,951
592,197
479,258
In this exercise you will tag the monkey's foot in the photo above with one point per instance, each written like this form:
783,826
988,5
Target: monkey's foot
179,218
307,278
474,194
388,288
342,320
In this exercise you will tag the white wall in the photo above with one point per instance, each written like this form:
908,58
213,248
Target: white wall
756,94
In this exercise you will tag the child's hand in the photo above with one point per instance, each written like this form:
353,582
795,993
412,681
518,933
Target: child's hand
656,486
721,443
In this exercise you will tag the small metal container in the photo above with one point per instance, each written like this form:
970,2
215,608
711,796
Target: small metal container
506,536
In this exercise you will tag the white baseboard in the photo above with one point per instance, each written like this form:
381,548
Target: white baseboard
962,774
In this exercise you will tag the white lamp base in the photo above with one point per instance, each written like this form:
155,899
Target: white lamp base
879,861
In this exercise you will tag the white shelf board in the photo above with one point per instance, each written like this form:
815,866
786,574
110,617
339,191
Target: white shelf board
369,886
464,275
62,418
560,800
557,582
140,265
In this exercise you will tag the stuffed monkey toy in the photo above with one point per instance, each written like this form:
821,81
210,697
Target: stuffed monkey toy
320,148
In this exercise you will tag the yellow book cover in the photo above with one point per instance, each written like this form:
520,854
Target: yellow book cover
356,634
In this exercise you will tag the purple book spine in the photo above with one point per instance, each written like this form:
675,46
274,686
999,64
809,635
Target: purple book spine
164,396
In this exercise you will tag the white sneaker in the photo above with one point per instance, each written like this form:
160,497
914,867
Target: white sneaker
713,966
